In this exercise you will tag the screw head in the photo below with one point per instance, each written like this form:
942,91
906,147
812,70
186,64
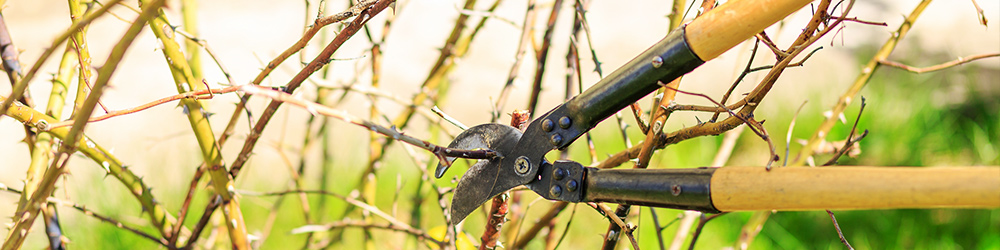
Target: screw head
521,165
657,62
675,190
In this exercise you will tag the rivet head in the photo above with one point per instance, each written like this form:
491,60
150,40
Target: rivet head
556,140
675,190
547,125
572,186
559,174
521,165
556,191
657,62
564,122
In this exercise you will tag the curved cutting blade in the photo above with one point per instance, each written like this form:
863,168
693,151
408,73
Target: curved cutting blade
484,179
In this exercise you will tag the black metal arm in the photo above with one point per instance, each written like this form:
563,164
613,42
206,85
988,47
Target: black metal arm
670,188
666,60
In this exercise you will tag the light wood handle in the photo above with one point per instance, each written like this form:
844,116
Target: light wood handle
720,29
816,188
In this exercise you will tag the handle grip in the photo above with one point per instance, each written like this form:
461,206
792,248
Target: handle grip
814,188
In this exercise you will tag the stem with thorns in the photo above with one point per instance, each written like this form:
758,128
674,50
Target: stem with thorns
23,219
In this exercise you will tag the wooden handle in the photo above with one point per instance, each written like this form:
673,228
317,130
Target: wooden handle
720,29
815,188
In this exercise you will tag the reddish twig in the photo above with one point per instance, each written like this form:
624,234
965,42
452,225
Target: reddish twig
498,213
172,241
200,94
301,43
755,126
441,152
498,210
321,60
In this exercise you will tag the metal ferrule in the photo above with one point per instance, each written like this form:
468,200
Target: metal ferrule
670,188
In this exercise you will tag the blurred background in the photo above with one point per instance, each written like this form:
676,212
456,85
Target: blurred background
943,118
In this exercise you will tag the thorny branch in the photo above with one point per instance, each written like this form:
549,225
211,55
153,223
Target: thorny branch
106,219
441,152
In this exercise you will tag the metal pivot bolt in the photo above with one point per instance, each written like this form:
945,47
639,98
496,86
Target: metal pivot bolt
556,191
564,122
521,165
556,139
547,125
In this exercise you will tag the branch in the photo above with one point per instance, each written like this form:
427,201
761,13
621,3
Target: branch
370,208
956,62
321,60
199,95
839,233
21,85
440,152
420,234
850,141
866,73
83,209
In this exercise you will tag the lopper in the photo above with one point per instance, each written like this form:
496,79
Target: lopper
521,155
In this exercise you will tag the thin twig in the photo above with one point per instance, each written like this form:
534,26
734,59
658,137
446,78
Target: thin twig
301,43
856,20
448,118
850,140
18,89
186,205
321,60
701,225
199,95
542,54
866,73
365,206
732,87
420,234
24,218
956,62
788,136
526,30
979,12
83,209
606,211
441,152
839,233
